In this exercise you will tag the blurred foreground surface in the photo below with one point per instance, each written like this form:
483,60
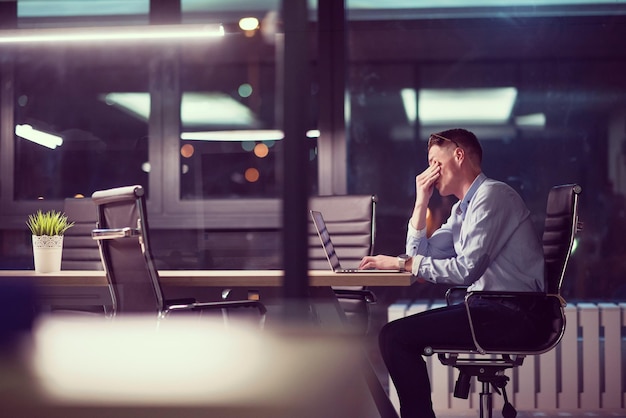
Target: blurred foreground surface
78,366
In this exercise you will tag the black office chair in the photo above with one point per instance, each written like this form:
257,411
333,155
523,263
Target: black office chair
80,251
488,363
351,222
123,238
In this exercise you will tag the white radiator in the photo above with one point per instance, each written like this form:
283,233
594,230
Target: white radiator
584,372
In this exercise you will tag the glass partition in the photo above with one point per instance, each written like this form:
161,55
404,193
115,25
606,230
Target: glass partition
539,82
542,88
230,127
80,122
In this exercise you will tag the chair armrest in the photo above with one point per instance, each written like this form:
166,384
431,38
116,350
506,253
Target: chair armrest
181,301
99,234
197,306
455,295
359,294
520,296
494,294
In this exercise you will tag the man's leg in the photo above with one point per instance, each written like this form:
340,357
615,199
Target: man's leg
402,343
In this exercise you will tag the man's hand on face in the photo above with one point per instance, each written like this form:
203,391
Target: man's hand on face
425,183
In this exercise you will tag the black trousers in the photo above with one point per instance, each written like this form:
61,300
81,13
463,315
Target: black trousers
402,343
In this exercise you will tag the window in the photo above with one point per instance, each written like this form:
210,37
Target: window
82,98
543,92
197,124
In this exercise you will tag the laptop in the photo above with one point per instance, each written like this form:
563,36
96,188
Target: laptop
329,248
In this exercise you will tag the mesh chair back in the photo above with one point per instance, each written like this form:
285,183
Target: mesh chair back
127,260
561,225
80,251
351,223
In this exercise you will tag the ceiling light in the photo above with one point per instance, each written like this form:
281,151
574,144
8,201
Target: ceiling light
202,109
196,109
409,98
234,135
534,120
242,135
42,138
113,33
465,106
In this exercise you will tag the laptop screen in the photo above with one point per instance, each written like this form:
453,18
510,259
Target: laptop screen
322,232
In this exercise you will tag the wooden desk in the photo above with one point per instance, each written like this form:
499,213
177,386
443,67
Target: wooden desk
216,278
80,288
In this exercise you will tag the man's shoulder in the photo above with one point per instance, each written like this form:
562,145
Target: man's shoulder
496,186
499,193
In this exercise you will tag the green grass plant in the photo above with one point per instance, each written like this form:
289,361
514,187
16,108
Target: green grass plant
48,223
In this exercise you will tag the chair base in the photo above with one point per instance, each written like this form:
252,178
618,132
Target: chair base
490,377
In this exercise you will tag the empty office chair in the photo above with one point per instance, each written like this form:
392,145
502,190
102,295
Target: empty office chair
351,222
80,251
124,241
488,363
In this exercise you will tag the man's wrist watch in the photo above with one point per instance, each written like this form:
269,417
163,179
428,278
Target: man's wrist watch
402,258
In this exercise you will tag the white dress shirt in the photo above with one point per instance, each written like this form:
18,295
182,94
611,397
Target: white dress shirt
487,243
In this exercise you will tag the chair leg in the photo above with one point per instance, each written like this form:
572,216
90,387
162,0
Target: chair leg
508,410
486,401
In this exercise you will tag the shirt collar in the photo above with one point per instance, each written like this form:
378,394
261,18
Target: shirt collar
470,193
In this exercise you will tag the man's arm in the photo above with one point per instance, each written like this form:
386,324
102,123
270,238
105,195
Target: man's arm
424,186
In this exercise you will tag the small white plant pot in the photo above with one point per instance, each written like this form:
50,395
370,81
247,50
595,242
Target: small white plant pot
47,252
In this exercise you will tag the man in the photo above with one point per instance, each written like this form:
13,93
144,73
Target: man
487,243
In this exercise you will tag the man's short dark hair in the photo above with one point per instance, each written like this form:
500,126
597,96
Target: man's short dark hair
463,139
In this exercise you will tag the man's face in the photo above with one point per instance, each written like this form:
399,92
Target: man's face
443,156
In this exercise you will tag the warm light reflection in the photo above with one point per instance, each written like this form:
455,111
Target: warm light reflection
249,23
71,364
261,150
185,365
252,175
186,150
116,33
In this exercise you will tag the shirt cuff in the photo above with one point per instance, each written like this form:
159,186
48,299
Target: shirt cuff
415,267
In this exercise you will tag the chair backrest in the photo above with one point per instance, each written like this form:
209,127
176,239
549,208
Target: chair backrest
80,251
560,227
351,222
123,236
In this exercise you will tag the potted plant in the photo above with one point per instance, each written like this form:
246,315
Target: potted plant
48,229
